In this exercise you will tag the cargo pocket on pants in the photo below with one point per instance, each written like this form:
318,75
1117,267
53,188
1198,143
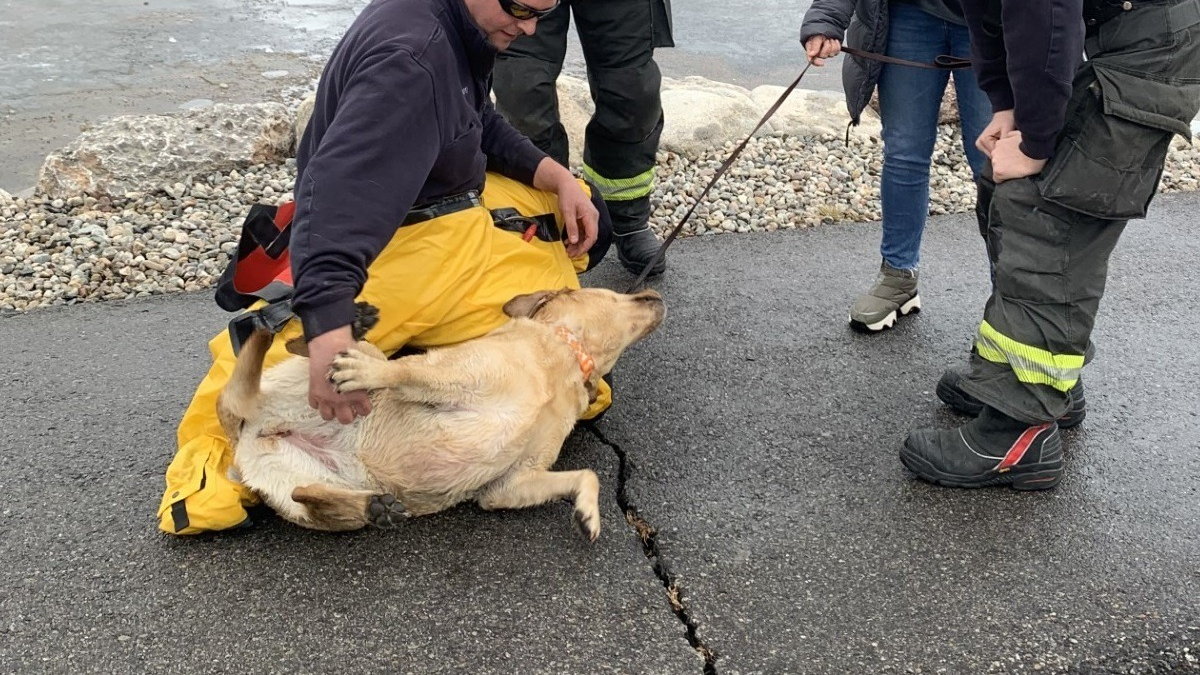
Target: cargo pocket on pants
1109,162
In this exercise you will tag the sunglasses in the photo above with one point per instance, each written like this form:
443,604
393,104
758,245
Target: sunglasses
522,12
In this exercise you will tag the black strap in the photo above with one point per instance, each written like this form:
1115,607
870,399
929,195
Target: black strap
442,207
271,317
940,62
662,250
543,226
260,224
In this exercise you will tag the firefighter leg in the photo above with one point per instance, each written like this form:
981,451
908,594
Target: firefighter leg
621,140
524,80
1051,266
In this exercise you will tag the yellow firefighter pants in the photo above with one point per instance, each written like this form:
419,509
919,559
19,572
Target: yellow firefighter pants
436,283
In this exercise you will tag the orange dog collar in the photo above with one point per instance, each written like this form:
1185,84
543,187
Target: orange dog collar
586,363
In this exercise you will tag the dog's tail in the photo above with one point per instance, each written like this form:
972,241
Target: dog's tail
239,400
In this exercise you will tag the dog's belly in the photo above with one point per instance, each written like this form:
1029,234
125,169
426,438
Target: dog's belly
434,459
407,449
274,462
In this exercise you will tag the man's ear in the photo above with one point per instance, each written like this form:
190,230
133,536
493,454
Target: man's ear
525,306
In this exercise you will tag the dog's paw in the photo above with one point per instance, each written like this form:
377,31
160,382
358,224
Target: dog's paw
355,370
587,521
386,512
366,316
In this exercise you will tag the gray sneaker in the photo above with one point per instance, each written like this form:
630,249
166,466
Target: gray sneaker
894,294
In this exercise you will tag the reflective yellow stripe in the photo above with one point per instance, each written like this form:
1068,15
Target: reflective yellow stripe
1032,365
621,189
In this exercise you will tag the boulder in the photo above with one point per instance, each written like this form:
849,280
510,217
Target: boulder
304,113
701,114
575,110
807,112
145,153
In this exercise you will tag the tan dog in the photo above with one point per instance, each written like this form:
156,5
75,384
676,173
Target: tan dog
481,420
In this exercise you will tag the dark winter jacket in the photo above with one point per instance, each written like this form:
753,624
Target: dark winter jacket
402,118
862,24
1033,78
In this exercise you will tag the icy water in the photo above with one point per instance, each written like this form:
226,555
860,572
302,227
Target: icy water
49,47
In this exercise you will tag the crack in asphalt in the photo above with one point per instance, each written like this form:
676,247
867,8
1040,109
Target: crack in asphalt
649,538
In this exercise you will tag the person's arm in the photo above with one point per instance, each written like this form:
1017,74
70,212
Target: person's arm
359,184
827,18
509,152
1028,67
580,217
989,59
357,187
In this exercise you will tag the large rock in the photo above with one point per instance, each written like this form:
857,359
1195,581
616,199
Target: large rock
304,113
575,108
144,154
808,112
701,114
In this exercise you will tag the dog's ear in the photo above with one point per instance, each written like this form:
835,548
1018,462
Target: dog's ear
592,387
525,306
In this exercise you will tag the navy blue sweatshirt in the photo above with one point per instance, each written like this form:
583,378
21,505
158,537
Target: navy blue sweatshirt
1026,64
402,118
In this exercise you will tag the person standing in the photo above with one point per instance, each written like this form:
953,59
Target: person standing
910,101
618,38
1076,149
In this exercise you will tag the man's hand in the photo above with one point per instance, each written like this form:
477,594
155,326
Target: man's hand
1003,123
322,395
1009,162
818,48
580,216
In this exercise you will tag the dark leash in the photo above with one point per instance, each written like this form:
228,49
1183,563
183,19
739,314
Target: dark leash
942,62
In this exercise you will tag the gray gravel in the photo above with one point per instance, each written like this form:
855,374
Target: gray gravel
58,251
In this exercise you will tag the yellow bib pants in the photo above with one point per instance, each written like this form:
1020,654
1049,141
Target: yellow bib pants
436,283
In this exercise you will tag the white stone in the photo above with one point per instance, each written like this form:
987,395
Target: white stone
304,114
701,114
575,109
807,112
145,153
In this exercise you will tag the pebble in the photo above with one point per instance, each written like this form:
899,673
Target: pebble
55,252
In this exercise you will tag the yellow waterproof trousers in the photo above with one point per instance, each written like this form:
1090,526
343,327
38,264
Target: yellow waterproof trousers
436,283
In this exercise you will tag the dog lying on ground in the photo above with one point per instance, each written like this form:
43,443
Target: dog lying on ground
481,420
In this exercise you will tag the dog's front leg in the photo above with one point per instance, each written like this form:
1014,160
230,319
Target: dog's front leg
410,378
538,486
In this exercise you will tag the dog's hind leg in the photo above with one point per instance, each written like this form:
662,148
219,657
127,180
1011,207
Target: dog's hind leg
338,509
239,400
536,486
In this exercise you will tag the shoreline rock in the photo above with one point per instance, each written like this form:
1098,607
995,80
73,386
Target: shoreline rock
178,235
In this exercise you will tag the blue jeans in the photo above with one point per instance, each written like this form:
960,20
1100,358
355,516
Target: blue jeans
909,103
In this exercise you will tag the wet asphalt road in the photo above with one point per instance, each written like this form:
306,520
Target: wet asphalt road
761,438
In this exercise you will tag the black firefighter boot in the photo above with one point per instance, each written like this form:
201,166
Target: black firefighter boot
992,449
636,243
